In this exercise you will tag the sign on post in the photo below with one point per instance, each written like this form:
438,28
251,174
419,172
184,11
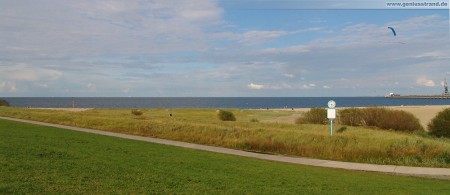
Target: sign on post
331,114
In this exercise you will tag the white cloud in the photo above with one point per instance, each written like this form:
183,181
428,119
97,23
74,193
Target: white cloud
41,85
255,86
289,50
281,86
8,87
23,72
423,81
87,28
254,37
200,11
308,86
289,75
433,54
91,87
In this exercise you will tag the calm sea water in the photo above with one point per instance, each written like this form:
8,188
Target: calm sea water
214,102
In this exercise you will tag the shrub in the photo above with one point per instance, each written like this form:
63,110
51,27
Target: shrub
399,120
313,116
440,124
136,112
254,120
373,116
226,115
351,117
4,103
380,117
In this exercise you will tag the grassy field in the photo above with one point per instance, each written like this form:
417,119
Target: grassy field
41,160
354,144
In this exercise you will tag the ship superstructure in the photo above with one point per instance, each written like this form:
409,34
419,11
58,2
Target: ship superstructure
446,88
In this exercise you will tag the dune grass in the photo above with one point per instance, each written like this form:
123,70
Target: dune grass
202,126
44,160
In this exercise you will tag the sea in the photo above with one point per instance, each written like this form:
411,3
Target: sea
214,102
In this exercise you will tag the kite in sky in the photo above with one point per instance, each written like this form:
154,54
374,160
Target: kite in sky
393,31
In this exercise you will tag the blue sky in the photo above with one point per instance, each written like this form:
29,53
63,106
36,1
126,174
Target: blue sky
218,48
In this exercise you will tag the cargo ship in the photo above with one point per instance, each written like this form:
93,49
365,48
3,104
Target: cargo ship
445,95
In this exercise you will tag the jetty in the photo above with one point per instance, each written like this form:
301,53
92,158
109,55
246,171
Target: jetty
444,95
420,96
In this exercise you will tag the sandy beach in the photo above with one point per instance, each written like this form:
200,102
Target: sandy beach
66,109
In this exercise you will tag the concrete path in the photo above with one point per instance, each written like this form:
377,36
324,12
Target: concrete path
440,173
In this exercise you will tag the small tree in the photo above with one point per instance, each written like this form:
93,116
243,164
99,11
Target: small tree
440,125
226,115
4,103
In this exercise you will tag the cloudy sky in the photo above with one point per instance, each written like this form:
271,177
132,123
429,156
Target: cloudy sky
224,48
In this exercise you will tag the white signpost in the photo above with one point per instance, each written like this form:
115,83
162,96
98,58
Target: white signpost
331,114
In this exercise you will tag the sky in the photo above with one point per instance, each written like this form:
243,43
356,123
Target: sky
221,48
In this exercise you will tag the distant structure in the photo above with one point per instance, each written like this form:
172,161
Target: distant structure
445,95
445,87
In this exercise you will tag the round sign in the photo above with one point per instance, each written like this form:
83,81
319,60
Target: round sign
331,104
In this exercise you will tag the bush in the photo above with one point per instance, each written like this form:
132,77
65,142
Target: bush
226,115
136,112
4,103
380,117
440,124
399,120
373,116
254,120
313,116
351,117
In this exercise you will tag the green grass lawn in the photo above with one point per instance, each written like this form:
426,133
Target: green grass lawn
37,159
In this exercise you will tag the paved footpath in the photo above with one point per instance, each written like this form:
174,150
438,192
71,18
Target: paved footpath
440,173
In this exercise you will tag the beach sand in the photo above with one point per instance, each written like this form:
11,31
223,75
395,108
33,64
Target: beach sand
67,109
423,113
